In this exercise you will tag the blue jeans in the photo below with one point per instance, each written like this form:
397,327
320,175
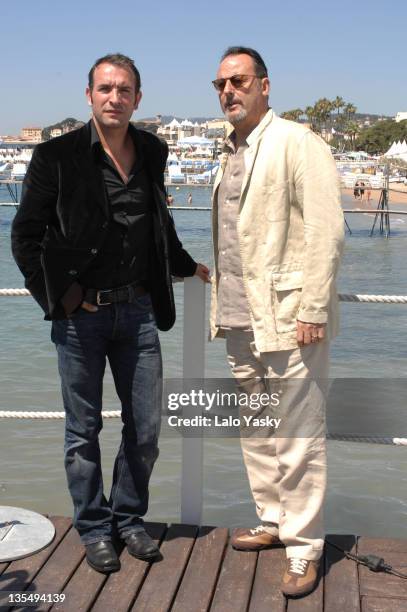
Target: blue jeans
126,334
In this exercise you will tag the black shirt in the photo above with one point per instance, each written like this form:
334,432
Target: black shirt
123,258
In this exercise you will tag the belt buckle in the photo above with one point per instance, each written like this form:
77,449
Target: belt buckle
98,302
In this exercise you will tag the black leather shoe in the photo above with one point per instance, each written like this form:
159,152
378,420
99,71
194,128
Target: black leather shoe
102,557
141,546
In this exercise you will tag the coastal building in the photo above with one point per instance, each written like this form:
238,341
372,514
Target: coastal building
55,132
32,134
216,128
401,116
169,131
175,130
190,129
69,127
216,124
10,138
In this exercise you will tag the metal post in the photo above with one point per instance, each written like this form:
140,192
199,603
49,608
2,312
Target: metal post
387,217
383,207
193,367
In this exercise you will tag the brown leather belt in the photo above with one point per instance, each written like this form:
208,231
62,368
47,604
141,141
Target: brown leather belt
104,297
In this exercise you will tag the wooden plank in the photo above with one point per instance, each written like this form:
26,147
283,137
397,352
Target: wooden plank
21,572
121,588
341,582
381,584
235,581
161,584
378,546
201,574
314,602
82,589
58,569
266,594
3,566
383,604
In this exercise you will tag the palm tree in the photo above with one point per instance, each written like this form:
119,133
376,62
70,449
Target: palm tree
325,108
310,114
352,130
350,109
322,112
292,115
337,104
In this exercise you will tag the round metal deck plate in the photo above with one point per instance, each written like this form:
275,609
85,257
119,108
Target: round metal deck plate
23,533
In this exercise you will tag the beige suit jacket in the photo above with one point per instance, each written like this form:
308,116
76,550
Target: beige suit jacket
290,230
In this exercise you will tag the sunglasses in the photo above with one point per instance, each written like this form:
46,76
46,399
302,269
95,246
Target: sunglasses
237,81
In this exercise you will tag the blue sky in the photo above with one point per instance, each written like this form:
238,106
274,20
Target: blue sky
355,49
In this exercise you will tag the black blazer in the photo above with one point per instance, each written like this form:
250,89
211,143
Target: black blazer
62,222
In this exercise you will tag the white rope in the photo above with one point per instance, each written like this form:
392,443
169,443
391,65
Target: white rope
14,292
387,299
20,414
400,441
343,297
377,299
110,414
371,439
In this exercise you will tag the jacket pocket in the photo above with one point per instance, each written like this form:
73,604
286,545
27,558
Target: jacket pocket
287,287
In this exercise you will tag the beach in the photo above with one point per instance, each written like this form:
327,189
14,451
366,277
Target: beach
397,196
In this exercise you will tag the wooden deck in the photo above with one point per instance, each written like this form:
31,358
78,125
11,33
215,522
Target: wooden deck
200,571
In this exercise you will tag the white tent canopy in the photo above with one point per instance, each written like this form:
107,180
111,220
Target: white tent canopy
173,124
398,150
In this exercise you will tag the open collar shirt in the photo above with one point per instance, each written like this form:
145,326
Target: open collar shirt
233,309
123,259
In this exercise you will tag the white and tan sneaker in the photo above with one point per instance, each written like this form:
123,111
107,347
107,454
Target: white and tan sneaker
254,539
300,577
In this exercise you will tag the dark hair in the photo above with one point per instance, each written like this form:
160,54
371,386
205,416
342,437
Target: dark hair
259,65
117,59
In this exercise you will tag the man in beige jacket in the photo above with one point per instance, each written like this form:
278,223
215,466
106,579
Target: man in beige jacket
278,236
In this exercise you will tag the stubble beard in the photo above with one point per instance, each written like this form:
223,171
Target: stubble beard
234,118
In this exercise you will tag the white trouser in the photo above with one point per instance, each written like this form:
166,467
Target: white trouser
287,474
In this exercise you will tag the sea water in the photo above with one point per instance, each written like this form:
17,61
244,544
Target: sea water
367,482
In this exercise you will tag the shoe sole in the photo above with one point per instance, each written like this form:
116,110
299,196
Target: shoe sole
104,570
299,595
146,557
256,548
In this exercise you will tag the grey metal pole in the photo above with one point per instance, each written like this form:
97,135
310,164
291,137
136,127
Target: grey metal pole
193,368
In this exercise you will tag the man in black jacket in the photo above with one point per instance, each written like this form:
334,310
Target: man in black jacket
97,247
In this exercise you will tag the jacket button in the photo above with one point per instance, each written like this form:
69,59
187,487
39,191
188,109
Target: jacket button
93,251
73,272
